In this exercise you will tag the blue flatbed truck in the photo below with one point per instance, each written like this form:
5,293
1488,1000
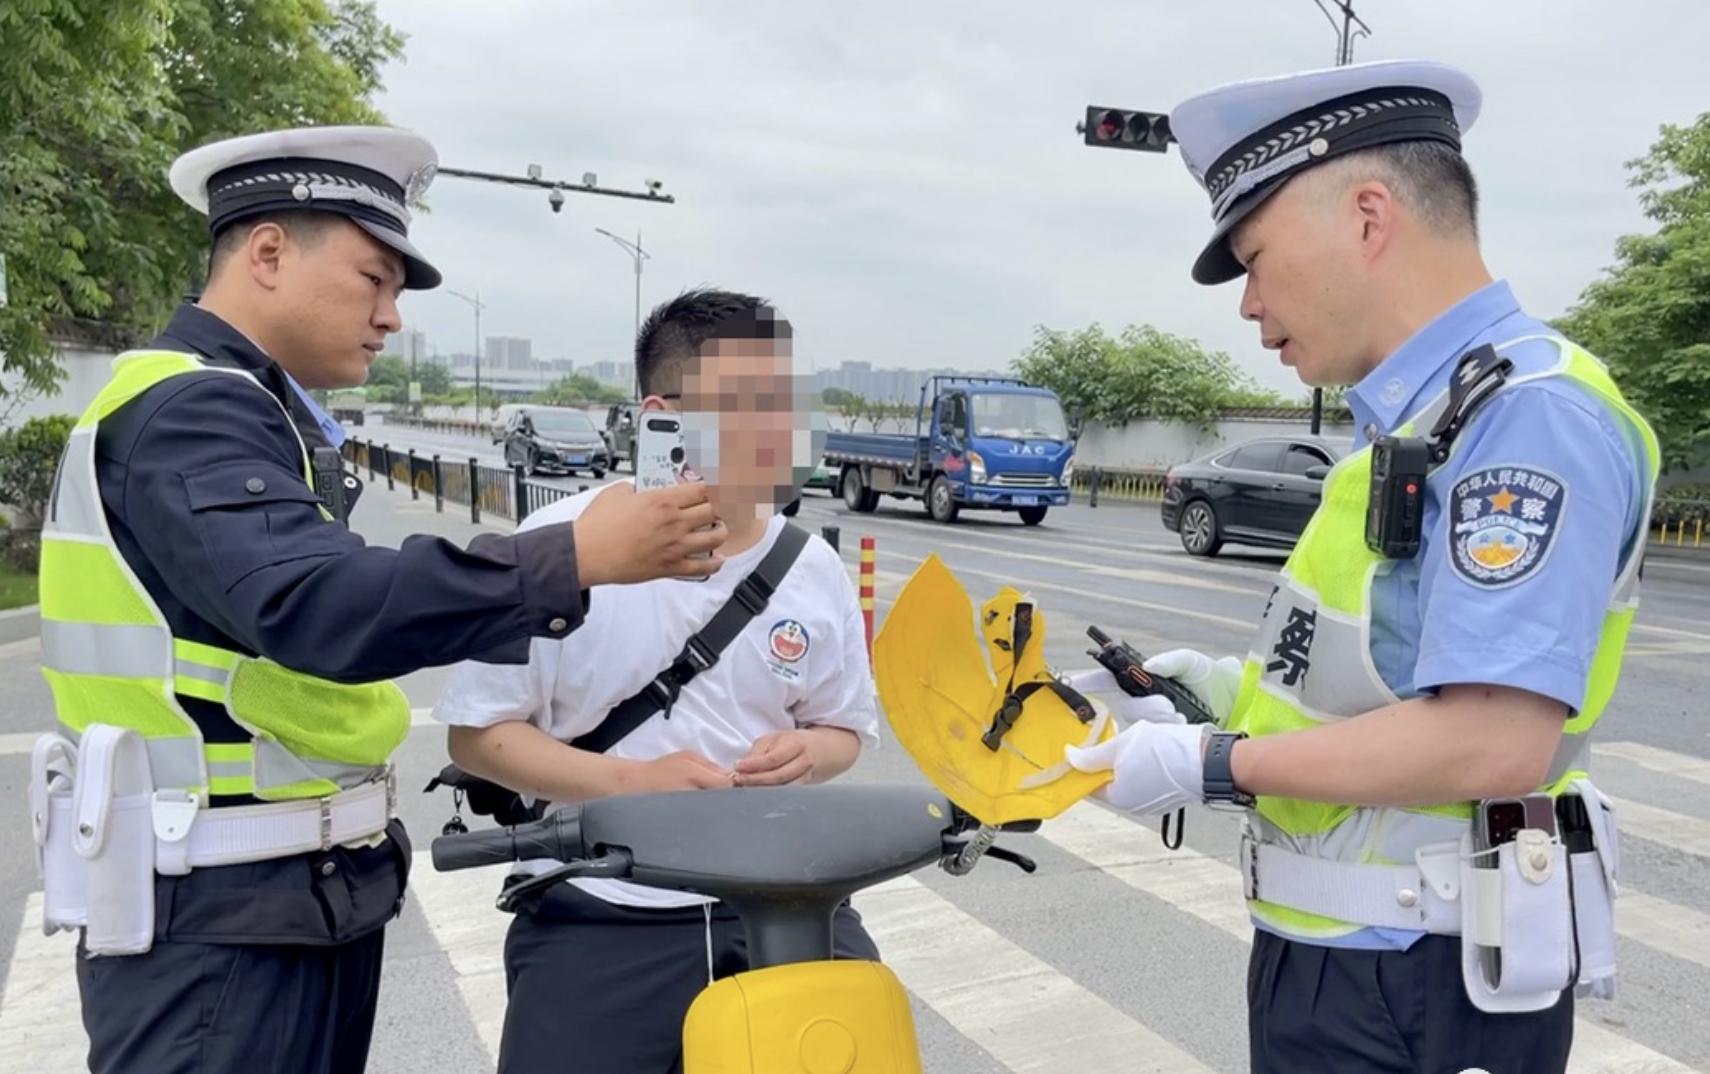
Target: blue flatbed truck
980,443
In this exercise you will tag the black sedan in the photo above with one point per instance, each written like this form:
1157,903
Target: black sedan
1261,493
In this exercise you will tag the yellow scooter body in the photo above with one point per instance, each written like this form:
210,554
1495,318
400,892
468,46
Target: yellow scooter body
842,1017
941,698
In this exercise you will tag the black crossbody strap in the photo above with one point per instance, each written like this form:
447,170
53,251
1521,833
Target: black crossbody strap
703,647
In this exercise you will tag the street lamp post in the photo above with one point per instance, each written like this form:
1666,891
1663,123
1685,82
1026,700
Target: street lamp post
478,306
638,255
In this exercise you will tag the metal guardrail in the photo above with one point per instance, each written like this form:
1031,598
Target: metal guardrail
456,426
1140,486
493,490
1680,522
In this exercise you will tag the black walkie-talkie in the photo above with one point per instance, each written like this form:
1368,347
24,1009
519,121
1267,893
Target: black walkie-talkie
329,481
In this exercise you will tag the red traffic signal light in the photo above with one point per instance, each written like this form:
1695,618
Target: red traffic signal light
1121,128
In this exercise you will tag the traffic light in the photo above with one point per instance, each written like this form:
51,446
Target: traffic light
1121,128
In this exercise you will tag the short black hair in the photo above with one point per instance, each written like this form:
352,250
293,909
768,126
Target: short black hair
676,330
1430,178
307,226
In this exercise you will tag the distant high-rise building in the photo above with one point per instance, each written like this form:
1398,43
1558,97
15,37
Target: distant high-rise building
508,352
411,345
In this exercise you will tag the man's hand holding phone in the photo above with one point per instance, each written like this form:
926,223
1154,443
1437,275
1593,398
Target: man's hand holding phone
628,536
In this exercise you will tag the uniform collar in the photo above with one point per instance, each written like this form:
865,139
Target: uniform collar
1398,387
210,335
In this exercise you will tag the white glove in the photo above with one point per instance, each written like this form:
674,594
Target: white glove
1099,682
1159,767
1214,682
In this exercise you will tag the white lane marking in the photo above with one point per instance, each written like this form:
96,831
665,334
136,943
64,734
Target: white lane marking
1019,1009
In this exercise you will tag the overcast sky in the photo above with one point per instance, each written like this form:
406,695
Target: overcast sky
904,178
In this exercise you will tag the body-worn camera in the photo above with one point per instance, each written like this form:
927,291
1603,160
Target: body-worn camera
1395,508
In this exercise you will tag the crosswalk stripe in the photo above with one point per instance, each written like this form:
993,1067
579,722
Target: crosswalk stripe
1134,854
460,913
1668,762
1019,1009
41,1019
1034,583
1676,830
1668,927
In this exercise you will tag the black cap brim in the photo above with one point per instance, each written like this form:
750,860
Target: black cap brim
1217,263
419,275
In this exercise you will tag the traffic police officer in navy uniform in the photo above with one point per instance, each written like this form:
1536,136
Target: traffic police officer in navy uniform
199,595
1412,663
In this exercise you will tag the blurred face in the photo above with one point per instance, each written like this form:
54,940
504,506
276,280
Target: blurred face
745,414
333,298
1307,286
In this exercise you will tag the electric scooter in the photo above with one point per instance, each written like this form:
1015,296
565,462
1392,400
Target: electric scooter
783,858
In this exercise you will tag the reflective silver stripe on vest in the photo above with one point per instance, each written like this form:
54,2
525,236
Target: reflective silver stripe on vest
229,769
126,652
173,762
73,511
1315,658
1368,834
191,669
1573,753
276,766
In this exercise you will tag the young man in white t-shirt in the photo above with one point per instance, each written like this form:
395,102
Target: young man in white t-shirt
601,972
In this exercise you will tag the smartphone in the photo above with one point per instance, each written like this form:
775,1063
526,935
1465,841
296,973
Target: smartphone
660,461
1497,821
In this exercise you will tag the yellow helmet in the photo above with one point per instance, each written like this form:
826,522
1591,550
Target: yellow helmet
991,738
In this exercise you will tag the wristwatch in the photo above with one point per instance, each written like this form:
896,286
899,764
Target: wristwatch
1218,776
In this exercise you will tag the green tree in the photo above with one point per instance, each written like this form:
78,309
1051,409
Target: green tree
1142,373
96,98
435,380
1648,317
578,389
29,455
836,398
388,380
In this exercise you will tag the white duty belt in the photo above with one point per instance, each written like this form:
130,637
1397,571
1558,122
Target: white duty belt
1420,896
188,836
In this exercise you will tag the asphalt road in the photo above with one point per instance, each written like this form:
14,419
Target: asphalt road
1117,954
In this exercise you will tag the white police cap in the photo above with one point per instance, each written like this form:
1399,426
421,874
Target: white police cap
1243,141
371,175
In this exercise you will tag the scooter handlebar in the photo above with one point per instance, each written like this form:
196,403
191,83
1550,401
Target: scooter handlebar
558,837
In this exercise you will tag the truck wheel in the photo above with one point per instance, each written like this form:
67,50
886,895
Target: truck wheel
856,495
1032,515
940,503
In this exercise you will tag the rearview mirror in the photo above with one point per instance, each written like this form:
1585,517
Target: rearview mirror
1318,473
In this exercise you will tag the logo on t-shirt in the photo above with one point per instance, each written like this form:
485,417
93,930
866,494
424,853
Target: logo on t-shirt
788,641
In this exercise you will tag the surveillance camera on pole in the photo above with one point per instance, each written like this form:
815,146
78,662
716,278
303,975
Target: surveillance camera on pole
556,200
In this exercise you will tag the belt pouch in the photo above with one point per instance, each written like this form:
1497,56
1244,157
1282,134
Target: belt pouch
112,810
1523,909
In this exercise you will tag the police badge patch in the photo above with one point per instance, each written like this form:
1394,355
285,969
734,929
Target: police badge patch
1504,520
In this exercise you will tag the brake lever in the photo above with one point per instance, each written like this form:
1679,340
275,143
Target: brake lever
613,865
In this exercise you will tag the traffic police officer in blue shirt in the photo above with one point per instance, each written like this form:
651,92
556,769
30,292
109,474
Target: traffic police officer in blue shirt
1440,636
186,524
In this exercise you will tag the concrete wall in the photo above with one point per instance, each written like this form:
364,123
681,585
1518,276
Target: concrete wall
86,373
1149,444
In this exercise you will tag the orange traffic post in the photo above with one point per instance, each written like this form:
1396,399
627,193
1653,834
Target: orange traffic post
867,557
